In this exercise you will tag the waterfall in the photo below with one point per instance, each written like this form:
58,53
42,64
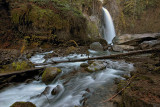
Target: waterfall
108,27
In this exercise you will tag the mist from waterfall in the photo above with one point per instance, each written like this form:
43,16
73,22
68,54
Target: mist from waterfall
108,27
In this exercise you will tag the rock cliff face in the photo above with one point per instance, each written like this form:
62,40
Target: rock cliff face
36,21
134,16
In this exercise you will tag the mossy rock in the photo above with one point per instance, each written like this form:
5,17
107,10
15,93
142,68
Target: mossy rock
96,66
50,74
23,104
83,65
70,50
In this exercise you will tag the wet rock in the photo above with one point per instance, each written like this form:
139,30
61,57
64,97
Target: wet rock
96,66
84,65
23,104
49,74
46,90
28,81
50,55
149,44
96,46
120,48
135,39
103,42
56,90
90,61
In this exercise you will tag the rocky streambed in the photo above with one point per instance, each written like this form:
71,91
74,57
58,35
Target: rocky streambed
73,86
90,83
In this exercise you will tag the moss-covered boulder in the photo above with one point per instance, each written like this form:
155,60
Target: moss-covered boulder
49,74
23,104
83,65
96,66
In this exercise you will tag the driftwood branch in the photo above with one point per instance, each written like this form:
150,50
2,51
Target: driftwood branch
116,56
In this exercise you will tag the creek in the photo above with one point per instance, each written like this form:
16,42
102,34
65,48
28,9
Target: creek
73,89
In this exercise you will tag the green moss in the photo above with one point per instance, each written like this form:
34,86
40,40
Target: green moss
20,65
39,17
59,70
48,18
94,64
17,13
137,7
95,69
49,74
92,29
89,70
44,74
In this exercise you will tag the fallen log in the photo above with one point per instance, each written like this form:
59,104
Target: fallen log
115,56
20,76
33,70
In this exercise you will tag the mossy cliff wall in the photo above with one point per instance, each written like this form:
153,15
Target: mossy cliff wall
42,18
135,16
56,21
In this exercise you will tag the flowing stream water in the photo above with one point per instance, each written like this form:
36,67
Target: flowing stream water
108,27
71,92
72,89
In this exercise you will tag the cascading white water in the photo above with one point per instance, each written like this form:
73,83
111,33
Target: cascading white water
71,92
108,28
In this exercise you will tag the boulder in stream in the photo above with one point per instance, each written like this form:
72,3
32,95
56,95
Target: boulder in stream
49,74
120,48
135,39
56,90
23,104
96,46
83,65
96,66
149,44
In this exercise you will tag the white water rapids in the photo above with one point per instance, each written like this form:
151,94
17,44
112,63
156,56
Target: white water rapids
71,93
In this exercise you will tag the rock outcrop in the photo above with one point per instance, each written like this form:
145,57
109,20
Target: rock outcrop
135,39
